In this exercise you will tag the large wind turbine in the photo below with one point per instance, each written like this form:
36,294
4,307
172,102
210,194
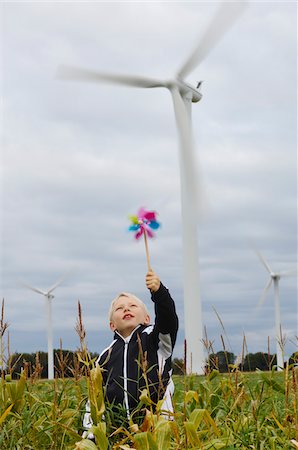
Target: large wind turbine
48,298
274,279
183,95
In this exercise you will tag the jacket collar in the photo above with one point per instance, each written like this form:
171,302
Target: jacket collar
132,335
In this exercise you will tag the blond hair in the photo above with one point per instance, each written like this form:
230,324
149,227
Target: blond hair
128,295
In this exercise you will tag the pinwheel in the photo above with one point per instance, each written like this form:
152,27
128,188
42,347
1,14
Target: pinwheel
143,223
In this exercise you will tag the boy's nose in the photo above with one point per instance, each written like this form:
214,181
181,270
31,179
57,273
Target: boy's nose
127,308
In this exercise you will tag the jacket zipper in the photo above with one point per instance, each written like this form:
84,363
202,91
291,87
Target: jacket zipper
125,379
125,368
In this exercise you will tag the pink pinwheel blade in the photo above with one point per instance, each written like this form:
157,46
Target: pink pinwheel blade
139,233
147,230
141,213
150,215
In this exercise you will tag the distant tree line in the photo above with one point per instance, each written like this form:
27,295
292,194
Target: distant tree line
67,363
224,362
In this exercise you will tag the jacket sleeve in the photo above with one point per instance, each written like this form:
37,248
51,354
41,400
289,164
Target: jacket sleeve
166,319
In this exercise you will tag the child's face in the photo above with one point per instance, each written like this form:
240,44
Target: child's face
128,313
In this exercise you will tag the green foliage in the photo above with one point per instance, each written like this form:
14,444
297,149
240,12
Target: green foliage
41,415
255,410
218,411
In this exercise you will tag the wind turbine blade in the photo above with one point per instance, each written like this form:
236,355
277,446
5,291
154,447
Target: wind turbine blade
288,273
187,159
264,262
224,18
39,291
79,74
264,294
58,282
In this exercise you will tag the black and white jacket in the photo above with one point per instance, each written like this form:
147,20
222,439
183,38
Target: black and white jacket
121,360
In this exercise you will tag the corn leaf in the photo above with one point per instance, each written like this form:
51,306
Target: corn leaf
163,435
273,383
5,414
152,444
278,423
85,444
196,417
191,395
140,440
191,433
99,432
211,422
144,398
213,375
96,396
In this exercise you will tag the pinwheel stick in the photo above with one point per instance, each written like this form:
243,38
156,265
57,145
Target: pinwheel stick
147,250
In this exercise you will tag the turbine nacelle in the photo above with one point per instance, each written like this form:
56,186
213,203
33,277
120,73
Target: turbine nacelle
185,89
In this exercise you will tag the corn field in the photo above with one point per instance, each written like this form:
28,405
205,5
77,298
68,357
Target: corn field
229,411
233,411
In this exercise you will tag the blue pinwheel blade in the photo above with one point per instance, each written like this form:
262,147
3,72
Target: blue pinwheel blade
154,225
134,227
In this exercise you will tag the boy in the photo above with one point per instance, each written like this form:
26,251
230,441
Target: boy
134,337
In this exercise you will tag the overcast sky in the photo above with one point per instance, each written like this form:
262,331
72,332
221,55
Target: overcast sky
77,158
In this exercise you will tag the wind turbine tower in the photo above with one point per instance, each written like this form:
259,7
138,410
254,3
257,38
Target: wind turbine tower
48,299
274,279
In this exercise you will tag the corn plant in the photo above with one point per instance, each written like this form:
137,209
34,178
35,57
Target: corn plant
238,410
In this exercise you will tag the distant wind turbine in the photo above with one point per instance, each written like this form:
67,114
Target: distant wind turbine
48,298
183,95
274,279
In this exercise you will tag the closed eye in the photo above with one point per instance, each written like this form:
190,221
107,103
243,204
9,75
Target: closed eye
119,308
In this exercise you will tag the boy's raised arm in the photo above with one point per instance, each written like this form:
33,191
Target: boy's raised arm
166,320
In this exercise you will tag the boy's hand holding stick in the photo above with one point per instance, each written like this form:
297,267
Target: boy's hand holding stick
152,281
